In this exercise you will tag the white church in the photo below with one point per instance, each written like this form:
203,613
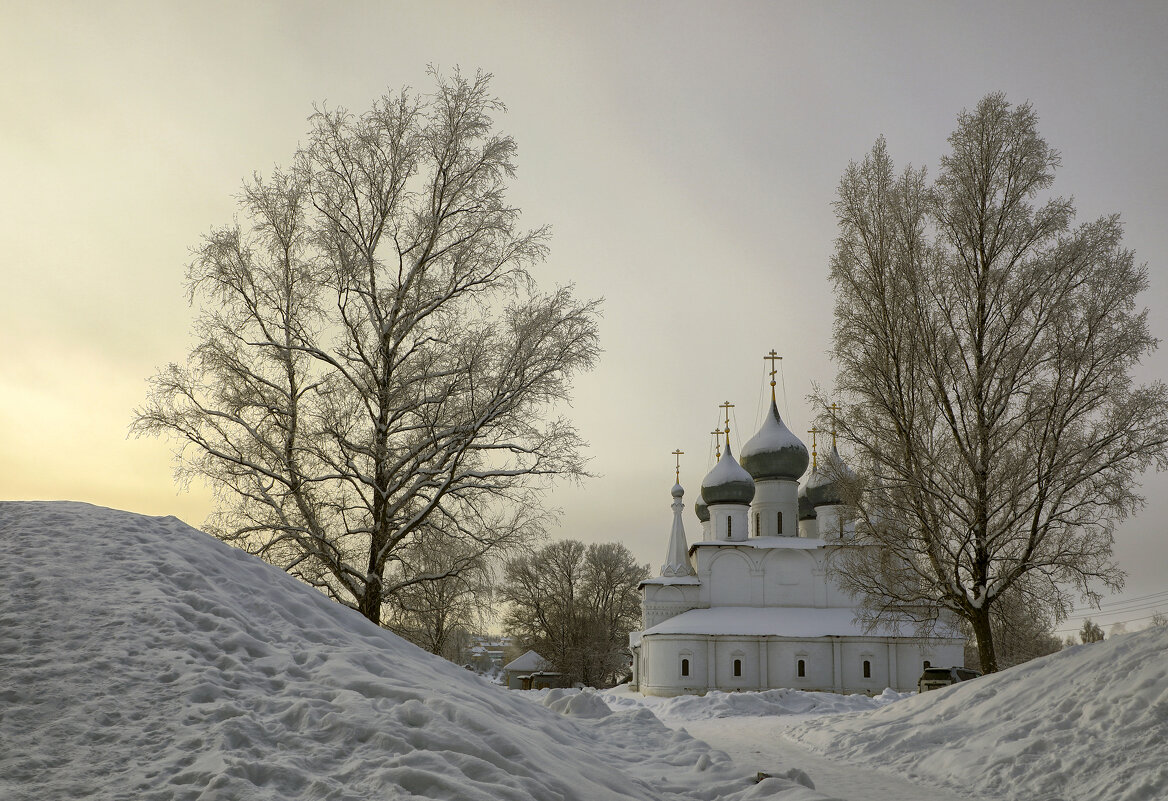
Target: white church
751,605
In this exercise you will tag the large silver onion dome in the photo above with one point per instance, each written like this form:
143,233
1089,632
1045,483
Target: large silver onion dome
821,486
728,483
774,452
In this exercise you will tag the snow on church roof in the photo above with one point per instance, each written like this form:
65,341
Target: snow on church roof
794,543
774,452
773,621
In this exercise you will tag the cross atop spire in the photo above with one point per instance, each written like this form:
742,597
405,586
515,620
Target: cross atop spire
773,357
814,456
727,406
717,432
677,468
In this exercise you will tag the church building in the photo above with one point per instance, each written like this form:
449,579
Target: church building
751,605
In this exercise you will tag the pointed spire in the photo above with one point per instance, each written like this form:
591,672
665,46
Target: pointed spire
677,557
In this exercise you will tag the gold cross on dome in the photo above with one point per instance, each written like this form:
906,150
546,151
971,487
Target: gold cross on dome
717,432
677,468
814,457
773,357
727,406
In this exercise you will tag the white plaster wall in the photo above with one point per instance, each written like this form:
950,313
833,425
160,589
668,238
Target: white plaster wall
788,578
782,656
727,649
729,579
721,516
770,498
661,657
854,652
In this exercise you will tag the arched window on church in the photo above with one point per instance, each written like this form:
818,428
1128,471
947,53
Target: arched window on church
684,667
867,669
801,669
737,667
927,664
779,530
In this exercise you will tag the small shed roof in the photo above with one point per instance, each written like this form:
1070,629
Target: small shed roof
530,661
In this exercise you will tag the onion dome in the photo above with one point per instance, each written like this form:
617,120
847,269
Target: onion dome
677,491
728,482
702,511
774,452
821,487
806,510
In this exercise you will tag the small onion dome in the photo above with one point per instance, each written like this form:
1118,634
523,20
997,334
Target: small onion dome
821,487
702,511
774,452
806,510
728,483
677,491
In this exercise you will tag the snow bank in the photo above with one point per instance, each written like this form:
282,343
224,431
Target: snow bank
715,704
1087,723
142,659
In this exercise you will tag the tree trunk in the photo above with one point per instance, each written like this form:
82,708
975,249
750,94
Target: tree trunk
369,602
980,619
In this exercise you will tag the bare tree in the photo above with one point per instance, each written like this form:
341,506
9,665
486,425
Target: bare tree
439,615
576,605
375,371
984,350
1091,631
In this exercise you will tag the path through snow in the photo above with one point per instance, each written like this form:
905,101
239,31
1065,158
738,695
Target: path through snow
759,741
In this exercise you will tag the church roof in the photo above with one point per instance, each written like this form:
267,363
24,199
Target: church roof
774,452
794,543
773,622
728,482
822,488
669,580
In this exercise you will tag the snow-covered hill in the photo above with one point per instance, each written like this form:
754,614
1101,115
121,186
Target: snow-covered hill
1085,724
142,659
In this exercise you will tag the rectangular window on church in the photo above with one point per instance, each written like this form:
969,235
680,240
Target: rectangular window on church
779,530
757,529
729,527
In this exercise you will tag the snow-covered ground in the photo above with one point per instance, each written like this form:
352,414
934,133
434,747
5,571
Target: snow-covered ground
142,659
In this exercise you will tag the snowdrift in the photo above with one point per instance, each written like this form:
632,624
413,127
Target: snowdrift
143,659
766,703
1087,723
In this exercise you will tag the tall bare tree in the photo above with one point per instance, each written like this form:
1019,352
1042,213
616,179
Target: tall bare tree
985,350
375,372
576,605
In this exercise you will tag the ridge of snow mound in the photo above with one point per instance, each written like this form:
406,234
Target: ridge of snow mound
576,703
1089,722
717,704
143,659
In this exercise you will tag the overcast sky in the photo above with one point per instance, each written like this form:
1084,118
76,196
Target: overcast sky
685,154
